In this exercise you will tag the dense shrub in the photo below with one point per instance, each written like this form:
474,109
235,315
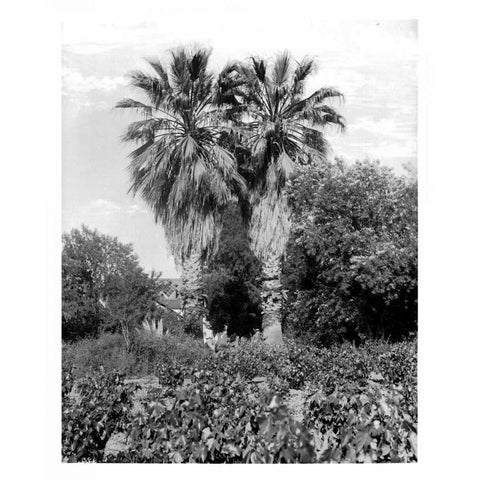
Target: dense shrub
226,407
292,363
214,417
351,261
361,424
231,280
346,364
289,366
103,286
148,354
90,354
99,407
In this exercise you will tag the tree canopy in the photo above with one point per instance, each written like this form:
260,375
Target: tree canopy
281,127
180,168
351,263
103,285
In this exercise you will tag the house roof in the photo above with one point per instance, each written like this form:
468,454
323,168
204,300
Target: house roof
173,303
169,286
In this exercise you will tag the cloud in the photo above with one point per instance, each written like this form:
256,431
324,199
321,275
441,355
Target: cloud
90,48
406,149
135,210
76,83
384,127
101,206
88,91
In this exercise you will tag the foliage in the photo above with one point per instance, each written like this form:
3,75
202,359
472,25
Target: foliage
231,280
363,424
227,407
107,351
290,363
98,409
351,264
281,127
346,365
215,418
180,168
147,356
103,286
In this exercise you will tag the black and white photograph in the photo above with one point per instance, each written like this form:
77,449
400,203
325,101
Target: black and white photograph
239,244
251,240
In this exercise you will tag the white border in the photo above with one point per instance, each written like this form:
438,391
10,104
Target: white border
448,175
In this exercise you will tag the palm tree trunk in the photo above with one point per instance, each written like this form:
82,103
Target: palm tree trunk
272,300
193,299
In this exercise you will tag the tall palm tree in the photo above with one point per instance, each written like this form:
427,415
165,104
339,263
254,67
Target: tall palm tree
282,128
179,167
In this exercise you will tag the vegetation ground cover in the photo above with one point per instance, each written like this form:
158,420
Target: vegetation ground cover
231,406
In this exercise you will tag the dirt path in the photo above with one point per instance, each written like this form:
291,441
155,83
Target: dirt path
117,442
295,402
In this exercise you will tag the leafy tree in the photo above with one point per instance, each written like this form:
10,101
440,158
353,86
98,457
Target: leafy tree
282,128
103,286
231,280
179,168
351,262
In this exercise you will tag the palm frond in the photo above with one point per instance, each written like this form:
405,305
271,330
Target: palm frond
180,170
146,110
285,166
315,99
277,128
151,86
161,71
198,64
281,69
323,115
270,225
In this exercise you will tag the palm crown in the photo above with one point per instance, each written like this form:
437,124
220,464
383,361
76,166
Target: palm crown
179,167
282,127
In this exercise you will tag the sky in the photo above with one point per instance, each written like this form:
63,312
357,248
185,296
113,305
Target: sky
373,62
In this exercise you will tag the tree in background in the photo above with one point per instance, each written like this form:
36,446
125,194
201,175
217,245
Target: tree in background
351,263
231,280
103,286
179,167
282,128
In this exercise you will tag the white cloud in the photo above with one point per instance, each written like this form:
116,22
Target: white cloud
384,127
101,206
135,210
384,150
76,83
90,48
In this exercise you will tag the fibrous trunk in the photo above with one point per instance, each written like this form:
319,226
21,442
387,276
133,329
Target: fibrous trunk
272,300
193,300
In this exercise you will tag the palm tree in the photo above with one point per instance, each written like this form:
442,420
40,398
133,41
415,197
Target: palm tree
179,168
282,129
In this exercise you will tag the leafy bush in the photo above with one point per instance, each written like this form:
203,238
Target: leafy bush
214,418
290,363
351,261
147,356
345,364
227,407
289,366
99,408
363,424
90,354
103,286
231,280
